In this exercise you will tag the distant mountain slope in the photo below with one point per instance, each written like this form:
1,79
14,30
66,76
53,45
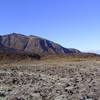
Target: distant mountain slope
10,53
33,44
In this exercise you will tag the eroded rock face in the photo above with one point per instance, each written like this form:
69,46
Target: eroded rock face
33,44
15,41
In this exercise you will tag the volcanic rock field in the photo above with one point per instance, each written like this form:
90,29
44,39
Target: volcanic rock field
53,81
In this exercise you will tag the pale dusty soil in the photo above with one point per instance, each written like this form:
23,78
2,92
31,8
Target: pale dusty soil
53,81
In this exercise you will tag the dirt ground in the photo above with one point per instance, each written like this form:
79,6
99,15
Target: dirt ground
50,81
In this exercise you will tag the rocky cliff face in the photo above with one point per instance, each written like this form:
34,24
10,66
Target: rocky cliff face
33,44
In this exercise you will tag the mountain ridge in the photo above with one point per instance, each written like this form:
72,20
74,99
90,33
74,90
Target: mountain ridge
17,47
33,44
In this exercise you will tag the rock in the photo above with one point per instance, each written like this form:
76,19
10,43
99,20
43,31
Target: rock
61,97
39,85
2,94
35,96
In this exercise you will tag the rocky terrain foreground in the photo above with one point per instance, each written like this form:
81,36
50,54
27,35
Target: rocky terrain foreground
55,81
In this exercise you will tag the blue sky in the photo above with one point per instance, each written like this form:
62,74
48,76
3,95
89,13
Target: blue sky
71,23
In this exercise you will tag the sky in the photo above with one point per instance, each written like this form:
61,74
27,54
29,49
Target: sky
71,23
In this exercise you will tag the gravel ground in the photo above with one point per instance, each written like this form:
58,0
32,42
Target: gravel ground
67,81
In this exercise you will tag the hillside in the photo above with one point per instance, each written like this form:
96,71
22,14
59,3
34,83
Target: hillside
33,44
